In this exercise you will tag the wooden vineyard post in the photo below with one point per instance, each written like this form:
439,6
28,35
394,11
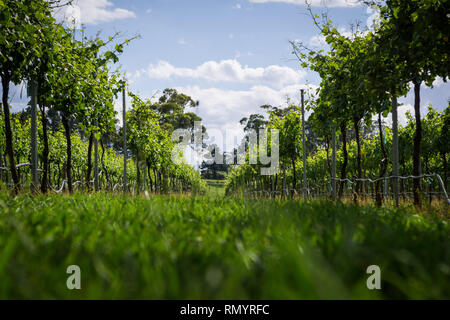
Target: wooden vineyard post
96,184
395,149
124,143
34,162
304,144
333,164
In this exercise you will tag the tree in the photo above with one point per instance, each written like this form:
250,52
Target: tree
210,169
24,27
82,90
414,33
150,141
254,122
172,108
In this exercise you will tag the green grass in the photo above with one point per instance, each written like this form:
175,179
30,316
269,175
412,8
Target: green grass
215,188
217,247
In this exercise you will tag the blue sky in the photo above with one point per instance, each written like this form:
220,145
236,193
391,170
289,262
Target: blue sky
232,56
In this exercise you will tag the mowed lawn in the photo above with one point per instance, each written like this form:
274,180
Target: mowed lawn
172,247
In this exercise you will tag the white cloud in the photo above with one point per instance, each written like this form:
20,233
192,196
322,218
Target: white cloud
237,6
148,11
182,42
401,115
92,12
317,41
228,71
438,82
374,16
316,3
18,106
351,34
222,109
231,36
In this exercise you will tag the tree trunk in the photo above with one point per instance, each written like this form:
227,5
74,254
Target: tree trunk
383,165
66,125
8,133
49,173
417,140
156,179
150,181
108,181
59,175
138,175
165,181
327,149
294,182
89,160
425,162
344,164
45,152
444,163
358,155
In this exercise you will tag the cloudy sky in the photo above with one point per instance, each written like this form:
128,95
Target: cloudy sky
232,56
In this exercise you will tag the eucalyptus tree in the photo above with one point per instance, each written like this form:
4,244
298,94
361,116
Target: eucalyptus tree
253,122
171,106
